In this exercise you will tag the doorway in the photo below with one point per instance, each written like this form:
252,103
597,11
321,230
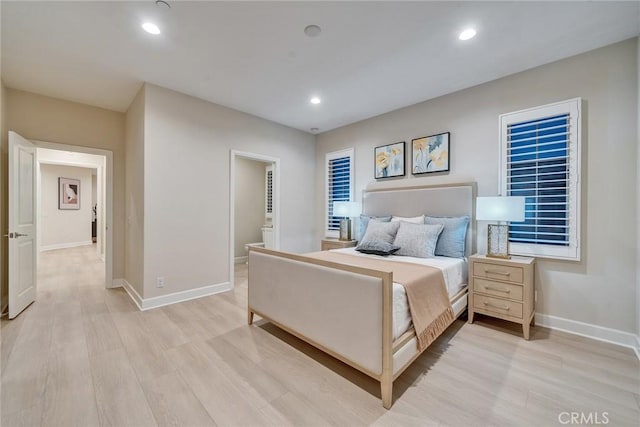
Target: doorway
254,205
78,232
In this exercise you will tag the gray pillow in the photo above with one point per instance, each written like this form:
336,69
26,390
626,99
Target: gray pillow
380,231
364,221
417,240
453,239
377,247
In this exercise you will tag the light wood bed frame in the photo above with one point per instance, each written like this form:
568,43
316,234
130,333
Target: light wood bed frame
346,311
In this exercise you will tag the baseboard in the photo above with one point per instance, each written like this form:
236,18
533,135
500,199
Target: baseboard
64,245
133,294
600,333
173,298
240,259
117,283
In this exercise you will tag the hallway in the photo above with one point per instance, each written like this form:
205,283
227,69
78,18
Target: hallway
65,271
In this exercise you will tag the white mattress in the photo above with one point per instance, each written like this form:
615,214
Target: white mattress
454,271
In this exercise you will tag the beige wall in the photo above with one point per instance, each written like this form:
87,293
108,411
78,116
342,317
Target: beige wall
42,118
600,289
187,145
249,203
134,193
64,227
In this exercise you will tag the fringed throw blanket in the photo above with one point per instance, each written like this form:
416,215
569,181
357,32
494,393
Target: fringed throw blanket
429,303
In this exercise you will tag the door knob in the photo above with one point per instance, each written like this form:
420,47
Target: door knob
14,235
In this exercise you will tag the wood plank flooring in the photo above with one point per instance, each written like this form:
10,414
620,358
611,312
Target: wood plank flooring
84,356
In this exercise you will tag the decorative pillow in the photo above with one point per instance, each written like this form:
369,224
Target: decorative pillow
364,221
380,231
377,247
453,239
412,219
417,240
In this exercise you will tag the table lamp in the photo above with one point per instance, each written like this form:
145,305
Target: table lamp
501,209
346,210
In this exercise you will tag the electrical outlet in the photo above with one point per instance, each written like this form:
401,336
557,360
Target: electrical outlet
160,282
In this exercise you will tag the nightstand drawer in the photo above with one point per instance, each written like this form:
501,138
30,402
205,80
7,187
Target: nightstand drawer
495,305
498,272
498,289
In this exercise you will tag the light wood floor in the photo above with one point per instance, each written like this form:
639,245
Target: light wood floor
82,355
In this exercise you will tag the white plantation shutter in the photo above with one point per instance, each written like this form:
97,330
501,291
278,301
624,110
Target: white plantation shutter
540,161
339,185
268,181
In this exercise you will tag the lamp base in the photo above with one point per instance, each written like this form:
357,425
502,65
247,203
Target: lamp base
498,241
345,229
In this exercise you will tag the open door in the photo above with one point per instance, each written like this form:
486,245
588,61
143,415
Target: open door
22,224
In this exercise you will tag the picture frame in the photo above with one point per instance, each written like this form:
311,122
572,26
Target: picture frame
389,160
431,154
68,194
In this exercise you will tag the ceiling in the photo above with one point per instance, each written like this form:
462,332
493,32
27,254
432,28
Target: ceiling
371,57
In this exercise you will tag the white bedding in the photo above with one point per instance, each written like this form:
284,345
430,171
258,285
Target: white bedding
454,271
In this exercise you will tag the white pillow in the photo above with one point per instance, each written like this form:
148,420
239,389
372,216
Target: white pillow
412,219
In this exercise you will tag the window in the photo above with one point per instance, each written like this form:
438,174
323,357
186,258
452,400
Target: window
540,160
339,188
268,194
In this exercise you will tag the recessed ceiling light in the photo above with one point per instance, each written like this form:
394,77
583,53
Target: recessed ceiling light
315,100
467,34
151,28
312,30
314,129
163,4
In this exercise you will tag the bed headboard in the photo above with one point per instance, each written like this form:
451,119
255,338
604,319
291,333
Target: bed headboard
436,200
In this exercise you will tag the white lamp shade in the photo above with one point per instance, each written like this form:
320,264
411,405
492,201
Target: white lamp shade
347,209
500,208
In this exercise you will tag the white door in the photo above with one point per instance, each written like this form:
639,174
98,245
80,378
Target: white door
22,224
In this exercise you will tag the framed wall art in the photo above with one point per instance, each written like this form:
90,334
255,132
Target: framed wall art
430,154
68,193
389,160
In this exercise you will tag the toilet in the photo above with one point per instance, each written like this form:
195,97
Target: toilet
267,238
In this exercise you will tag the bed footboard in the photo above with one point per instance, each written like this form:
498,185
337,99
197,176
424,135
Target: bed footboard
343,310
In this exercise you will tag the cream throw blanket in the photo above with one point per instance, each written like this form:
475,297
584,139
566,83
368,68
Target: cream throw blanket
429,304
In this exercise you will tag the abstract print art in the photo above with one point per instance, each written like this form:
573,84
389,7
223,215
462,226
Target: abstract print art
68,193
389,160
430,154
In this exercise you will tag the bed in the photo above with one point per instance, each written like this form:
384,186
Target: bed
355,313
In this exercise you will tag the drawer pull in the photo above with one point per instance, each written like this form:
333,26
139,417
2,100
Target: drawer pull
491,288
501,273
488,304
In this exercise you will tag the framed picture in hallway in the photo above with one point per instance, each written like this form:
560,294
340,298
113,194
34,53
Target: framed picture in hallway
68,193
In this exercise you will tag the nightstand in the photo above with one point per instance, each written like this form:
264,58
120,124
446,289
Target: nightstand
502,288
328,244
